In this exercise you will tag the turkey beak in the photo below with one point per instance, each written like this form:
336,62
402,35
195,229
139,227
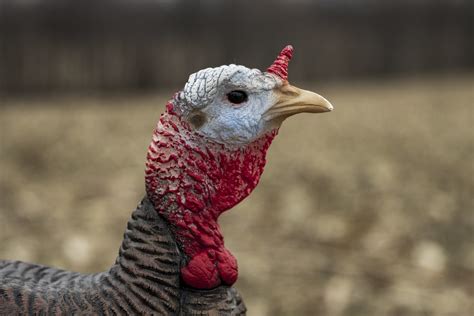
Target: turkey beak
291,100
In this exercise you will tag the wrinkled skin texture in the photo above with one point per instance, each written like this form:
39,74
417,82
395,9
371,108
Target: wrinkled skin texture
205,94
197,169
191,183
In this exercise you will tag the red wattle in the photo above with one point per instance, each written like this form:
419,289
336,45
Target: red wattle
191,180
201,272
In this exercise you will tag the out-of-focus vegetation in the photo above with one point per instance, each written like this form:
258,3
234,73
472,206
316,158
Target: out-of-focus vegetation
364,211
58,45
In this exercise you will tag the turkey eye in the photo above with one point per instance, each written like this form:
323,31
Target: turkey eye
237,96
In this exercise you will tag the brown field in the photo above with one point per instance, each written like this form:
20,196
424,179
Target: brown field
364,211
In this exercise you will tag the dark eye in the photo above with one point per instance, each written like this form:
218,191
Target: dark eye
237,96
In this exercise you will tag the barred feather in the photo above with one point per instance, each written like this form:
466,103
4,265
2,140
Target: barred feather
145,280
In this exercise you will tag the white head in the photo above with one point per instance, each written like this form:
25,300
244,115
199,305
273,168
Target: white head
191,181
235,105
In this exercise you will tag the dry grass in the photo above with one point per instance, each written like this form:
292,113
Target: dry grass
364,211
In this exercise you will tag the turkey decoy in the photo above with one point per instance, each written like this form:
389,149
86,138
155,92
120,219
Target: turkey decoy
207,154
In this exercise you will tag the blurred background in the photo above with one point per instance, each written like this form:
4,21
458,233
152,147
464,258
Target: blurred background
367,210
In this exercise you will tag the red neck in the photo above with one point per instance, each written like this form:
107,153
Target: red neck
191,181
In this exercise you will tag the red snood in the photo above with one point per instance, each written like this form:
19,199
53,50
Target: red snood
191,180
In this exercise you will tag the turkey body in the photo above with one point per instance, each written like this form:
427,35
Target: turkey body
145,280
207,154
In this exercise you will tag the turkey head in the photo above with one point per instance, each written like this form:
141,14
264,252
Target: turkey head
208,153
